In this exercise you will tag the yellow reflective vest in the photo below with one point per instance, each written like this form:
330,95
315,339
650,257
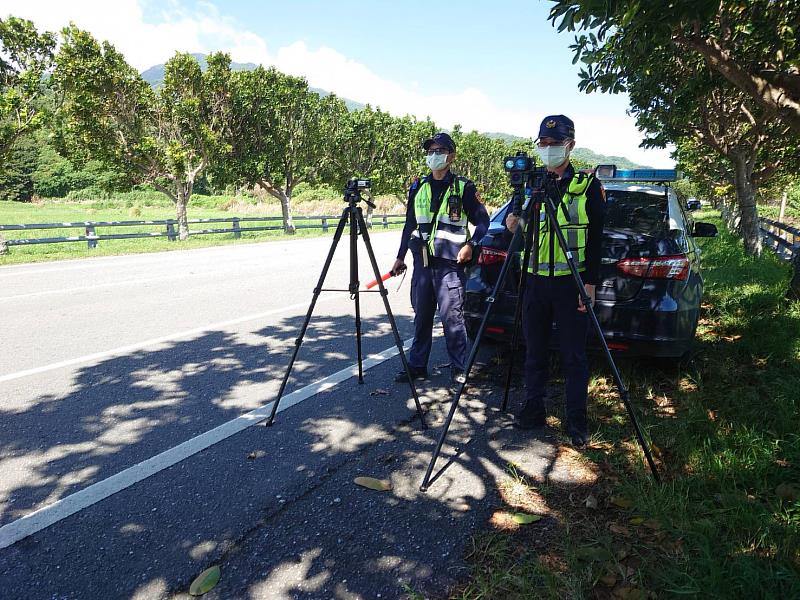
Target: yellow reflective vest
443,235
574,223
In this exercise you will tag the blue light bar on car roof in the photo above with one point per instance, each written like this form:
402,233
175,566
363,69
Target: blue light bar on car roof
612,173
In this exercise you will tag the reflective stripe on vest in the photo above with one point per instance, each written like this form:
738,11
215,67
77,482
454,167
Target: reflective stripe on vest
574,222
443,236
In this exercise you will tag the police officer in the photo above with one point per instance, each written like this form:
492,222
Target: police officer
439,208
550,291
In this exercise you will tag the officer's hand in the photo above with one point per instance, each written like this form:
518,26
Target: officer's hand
465,254
589,290
398,267
511,222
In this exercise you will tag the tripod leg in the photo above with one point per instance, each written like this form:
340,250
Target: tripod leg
531,240
298,342
471,359
623,391
385,296
354,283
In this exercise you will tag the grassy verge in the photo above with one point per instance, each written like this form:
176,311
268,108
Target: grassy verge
61,212
726,521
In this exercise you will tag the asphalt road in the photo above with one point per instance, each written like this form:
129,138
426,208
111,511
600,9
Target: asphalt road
130,389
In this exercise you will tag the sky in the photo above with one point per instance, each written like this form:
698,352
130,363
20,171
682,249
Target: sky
486,65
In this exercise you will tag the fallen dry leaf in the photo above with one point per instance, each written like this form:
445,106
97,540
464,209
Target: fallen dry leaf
591,501
619,529
379,485
621,502
379,392
205,582
788,491
256,454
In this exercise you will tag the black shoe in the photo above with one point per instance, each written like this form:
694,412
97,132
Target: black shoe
415,374
579,440
527,422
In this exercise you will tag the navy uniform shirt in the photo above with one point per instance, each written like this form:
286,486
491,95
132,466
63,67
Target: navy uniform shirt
472,207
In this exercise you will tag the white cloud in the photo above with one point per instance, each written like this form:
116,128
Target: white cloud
204,29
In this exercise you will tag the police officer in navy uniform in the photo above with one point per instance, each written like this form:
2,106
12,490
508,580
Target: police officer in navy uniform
439,208
551,293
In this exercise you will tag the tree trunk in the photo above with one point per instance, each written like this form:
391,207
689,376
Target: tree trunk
286,210
746,202
183,192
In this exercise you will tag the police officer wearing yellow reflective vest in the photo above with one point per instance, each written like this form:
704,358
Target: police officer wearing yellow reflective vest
439,208
551,293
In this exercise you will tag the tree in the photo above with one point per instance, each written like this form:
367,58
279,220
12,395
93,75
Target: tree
753,45
366,143
676,96
165,139
26,58
278,134
16,183
480,158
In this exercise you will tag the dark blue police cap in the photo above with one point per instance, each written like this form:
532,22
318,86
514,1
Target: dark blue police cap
557,127
442,139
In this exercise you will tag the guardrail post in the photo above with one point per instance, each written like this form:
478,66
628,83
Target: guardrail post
324,225
237,231
3,246
90,231
385,222
793,293
171,232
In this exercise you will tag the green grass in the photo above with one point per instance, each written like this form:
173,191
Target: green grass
725,426
105,210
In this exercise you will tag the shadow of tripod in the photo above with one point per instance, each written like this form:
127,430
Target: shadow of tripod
353,215
543,190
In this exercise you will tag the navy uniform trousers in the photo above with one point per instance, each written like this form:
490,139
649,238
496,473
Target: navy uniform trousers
549,299
442,284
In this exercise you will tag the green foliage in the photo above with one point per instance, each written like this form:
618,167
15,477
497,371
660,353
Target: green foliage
753,45
165,139
26,57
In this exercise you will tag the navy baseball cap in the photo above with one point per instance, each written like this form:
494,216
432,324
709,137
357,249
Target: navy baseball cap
557,127
442,139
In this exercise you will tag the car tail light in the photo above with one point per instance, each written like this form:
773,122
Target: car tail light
660,267
491,256
495,330
617,346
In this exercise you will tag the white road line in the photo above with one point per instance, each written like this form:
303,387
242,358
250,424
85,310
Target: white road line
63,508
154,341
98,286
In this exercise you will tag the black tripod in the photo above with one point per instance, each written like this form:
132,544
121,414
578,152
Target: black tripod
351,214
543,188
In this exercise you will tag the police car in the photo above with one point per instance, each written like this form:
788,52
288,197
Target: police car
651,286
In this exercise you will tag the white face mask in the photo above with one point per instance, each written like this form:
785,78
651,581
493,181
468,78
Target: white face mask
553,156
436,162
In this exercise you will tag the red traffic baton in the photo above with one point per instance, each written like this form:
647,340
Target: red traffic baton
384,277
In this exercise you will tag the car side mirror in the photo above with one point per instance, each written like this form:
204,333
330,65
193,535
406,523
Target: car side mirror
704,230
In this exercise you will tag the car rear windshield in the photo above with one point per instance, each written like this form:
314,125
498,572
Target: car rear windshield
638,211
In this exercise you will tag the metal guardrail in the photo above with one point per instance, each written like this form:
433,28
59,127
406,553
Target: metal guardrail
92,237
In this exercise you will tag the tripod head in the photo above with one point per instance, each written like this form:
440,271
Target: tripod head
353,189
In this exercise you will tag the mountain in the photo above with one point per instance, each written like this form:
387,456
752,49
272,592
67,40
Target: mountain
584,154
593,158
155,77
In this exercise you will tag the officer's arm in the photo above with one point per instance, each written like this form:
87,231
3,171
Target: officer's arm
595,210
476,212
411,221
